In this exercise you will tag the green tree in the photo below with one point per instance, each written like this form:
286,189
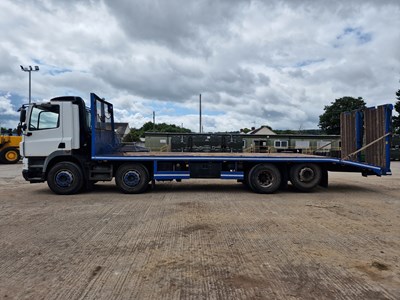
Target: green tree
132,136
7,131
285,131
135,134
329,121
396,119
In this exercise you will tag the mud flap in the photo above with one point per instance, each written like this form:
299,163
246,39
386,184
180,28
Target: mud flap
324,178
285,178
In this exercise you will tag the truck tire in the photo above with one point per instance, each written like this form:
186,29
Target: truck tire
132,178
305,177
264,178
65,178
10,156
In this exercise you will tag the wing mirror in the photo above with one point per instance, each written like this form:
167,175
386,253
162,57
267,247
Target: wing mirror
22,114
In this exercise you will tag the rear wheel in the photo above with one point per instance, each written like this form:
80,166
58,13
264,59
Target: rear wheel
305,177
10,156
264,178
65,178
132,178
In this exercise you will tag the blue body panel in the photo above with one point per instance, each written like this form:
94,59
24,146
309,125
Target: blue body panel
388,128
102,122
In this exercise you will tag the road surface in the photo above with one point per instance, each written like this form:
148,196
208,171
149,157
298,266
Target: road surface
201,239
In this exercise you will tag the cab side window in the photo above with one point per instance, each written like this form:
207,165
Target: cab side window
45,117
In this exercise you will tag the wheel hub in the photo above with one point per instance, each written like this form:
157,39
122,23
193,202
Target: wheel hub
11,155
64,178
306,174
265,179
131,178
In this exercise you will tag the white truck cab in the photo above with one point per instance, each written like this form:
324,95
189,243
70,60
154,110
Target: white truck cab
58,128
50,127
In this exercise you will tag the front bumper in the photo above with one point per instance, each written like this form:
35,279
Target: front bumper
32,177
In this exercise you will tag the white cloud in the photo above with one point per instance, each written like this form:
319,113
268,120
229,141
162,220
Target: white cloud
8,112
274,63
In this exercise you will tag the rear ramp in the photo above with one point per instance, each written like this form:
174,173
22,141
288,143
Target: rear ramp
366,136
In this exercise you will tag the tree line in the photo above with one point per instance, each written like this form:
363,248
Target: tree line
136,133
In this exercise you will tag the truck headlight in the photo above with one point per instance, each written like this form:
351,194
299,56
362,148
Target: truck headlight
24,163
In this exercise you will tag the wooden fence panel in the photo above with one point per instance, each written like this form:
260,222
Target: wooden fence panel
348,134
375,127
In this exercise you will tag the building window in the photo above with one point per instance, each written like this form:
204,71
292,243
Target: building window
302,144
281,144
324,145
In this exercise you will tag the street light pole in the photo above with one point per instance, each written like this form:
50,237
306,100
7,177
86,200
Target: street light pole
29,69
200,125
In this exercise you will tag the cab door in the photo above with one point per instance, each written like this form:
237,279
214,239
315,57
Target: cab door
44,133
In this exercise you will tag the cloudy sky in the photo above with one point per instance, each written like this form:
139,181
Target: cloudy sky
275,63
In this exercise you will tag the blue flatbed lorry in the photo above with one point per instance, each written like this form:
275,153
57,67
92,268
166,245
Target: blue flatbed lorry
71,147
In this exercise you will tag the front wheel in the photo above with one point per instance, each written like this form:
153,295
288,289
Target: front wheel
305,177
264,178
132,178
10,156
65,178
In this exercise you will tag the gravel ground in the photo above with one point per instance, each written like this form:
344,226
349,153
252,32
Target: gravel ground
201,239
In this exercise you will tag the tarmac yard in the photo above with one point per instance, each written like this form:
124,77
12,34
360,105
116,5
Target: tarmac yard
201,239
